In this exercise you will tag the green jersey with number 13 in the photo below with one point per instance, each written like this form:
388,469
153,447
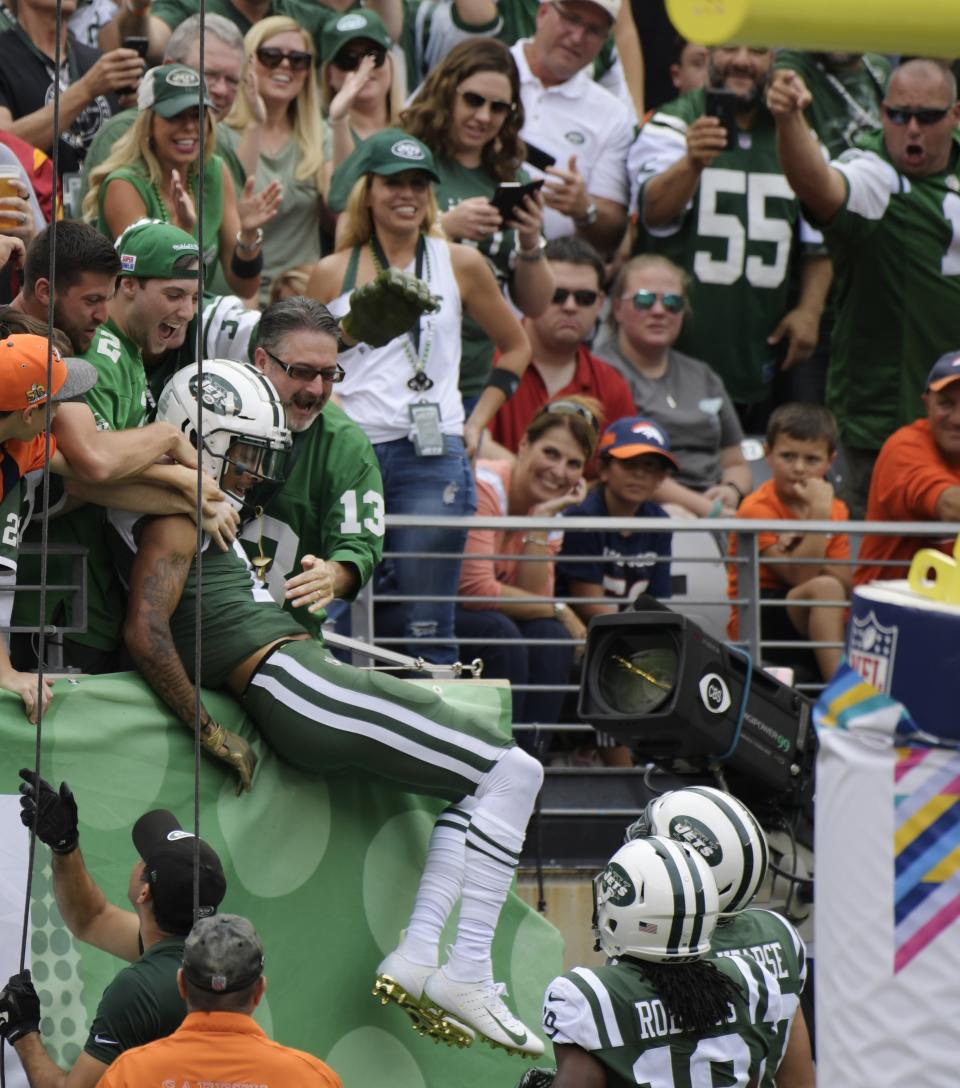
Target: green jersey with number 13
330,506
738,239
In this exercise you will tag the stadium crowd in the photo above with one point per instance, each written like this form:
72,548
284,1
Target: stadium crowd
463,257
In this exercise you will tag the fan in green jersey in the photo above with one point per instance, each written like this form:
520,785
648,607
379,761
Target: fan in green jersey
660,1013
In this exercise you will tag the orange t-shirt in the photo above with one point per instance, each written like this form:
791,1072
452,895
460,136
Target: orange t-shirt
766,504
908,478
218,1048
17,458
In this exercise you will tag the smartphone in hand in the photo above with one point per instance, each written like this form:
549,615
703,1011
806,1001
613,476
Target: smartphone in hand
510,195
138,45
722,104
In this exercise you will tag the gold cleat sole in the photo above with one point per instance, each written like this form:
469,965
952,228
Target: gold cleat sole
426,1020
437,1012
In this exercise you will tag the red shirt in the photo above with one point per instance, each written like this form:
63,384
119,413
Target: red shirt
592,378
908,478
17,458
765,504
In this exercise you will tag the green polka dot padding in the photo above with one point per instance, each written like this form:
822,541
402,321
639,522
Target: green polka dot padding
326,869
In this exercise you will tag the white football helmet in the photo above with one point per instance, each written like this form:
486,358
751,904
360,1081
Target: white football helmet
718,826
656,900
245,439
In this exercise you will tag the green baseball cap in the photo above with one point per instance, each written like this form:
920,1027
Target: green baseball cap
389,151
361,23
171,89
152,249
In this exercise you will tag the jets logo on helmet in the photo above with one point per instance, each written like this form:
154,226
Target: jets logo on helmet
656,900
721,828
239,429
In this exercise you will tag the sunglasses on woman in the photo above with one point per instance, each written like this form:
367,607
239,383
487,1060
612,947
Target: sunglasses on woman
349,61
271,57
474,101
644,300
571,408
581,298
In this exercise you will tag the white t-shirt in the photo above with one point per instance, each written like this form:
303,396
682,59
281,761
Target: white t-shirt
579,118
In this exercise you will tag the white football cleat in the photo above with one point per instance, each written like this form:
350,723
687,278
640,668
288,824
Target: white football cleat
480,1006
401,981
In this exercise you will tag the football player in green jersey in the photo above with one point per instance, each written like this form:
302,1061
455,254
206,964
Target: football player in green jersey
324,716
660,1013
726,833
724,212
890,213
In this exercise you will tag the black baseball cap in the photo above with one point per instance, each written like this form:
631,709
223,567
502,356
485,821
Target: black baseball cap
167,851
223,954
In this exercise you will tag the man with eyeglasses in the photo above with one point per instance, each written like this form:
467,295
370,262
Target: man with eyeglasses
890,212
318,536
562,363
581,125
713,199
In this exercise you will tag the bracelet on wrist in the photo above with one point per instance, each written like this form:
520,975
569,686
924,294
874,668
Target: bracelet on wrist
733,487
535,253
535,540
250,247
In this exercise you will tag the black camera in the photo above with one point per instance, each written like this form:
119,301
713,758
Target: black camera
657,681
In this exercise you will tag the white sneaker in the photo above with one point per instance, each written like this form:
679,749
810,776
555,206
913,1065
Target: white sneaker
480,1006
401,980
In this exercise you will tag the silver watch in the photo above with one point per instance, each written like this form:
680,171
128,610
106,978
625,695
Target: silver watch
559,607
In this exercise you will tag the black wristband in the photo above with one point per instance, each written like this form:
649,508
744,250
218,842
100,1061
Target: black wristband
731,484
246,270
504,380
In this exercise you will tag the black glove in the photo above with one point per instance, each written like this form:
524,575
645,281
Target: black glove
537,1078
19,1008
387,307
57,824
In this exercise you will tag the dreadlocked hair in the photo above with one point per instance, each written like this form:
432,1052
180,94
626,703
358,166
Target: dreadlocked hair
696,995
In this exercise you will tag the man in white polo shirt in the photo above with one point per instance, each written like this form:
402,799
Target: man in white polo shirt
570,117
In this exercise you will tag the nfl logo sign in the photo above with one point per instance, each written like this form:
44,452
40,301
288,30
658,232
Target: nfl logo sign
873,648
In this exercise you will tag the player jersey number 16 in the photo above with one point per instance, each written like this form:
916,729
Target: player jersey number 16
760,227
654,1068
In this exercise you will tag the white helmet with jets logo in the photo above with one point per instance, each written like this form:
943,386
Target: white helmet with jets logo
656,900
245,439
721,828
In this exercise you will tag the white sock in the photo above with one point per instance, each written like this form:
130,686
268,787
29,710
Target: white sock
440,884
493,843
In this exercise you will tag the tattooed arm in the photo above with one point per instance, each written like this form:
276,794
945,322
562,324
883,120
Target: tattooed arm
163,561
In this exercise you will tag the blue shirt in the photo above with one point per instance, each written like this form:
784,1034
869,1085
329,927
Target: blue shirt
635,569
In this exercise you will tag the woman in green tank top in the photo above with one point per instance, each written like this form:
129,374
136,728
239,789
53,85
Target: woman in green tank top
154,172
469,113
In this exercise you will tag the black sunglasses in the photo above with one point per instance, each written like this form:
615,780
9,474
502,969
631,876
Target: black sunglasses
644,300
301,373
475,101
570,408
271,57
349,61
581,298
903,116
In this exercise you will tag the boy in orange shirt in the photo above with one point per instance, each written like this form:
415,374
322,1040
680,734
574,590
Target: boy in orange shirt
801,446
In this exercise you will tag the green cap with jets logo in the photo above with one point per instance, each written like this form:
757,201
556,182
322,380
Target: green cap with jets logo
171,89
389,151
152,249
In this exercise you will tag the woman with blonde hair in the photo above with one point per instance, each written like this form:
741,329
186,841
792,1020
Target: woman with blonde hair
276,132
360,83
154,172
405,394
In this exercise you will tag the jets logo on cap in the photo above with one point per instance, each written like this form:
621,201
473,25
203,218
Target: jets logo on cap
354,21
183,78
407,149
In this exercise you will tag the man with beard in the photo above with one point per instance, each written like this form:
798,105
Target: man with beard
727,215
155,300
317,537
890,212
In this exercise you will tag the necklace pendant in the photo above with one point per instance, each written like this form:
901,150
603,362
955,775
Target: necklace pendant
420,383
